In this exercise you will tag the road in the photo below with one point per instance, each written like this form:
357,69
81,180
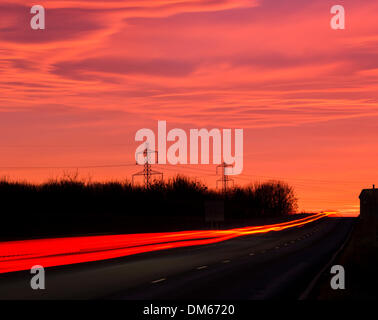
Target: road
273,265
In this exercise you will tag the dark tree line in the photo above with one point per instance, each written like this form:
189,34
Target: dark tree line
70,206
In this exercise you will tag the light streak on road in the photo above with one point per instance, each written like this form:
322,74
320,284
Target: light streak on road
22,255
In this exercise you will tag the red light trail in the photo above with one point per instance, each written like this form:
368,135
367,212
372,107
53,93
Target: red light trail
22,255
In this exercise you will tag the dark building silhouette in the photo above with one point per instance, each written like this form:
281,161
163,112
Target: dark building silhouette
369,202
369,214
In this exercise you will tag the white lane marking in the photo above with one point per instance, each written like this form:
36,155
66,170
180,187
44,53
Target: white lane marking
202,267
251,254
277,247
226,261
159,280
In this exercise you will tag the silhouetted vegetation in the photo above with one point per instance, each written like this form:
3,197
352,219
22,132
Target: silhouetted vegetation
71,206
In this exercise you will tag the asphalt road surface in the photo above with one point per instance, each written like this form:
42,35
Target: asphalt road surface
275,265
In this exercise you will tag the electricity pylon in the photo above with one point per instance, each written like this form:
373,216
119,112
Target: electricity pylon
225,178
147,171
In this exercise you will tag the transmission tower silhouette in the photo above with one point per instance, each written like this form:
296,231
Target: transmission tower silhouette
147,171
225,179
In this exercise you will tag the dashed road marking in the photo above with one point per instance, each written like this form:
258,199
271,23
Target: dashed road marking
202,267
226,261
159,280
251,254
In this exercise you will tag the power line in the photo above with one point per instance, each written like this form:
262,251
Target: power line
70,167
244,176
303,183
186,170
301,179
186,167
300,182
64,145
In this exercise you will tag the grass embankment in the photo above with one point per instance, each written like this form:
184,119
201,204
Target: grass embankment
360,261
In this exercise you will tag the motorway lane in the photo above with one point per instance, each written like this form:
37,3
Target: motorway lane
272,265
22,255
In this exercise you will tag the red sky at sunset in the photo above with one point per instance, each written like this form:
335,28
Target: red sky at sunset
306,96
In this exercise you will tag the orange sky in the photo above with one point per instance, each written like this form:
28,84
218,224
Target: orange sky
305,95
